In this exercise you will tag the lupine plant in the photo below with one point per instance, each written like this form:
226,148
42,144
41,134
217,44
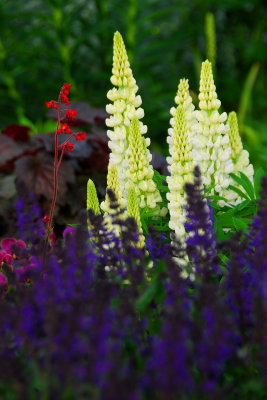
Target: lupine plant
108,312
196,137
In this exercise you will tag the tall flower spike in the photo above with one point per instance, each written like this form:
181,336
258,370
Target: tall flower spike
92,200
211,147
181,167
133,211
183,99
112,183
240,156
140,172
126,106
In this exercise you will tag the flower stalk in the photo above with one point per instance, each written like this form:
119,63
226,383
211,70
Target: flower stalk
65,146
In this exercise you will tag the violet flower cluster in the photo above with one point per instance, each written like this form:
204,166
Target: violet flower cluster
98,320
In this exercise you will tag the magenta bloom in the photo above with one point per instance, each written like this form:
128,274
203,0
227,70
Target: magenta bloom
69,230
3,285
5,257
7,244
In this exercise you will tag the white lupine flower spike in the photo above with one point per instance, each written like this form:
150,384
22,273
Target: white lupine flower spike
181,167
211,146
126,106
140,172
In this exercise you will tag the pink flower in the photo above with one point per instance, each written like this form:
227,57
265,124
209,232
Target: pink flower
5,257
68,231
3,285
7,244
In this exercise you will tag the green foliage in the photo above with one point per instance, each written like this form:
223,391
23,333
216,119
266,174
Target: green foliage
44,42
231,219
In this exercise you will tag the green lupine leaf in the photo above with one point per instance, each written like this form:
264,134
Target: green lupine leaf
226,221
244,204
246,211
248,186
241,224
215,205
245,183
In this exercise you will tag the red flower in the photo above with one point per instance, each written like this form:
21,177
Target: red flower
71,114
45,219
80,136
50,104
65,99
64,129
69,147
67,86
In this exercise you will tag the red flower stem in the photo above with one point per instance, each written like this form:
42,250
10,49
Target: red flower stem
55,168
61,155
66,141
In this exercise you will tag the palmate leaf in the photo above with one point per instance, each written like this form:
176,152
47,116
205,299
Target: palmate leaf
243,181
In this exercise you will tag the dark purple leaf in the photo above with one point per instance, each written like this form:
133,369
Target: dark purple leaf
17,132
8,149
87,115
37,172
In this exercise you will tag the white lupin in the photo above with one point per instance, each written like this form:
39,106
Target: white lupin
180,166
125,107
211,147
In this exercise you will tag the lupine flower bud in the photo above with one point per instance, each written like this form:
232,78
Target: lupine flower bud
181,168
140,172
125,107
112,183
133,211
92,200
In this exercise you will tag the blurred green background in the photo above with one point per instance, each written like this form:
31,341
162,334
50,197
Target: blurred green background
44,43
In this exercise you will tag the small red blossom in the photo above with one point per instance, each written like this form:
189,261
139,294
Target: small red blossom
71,114
51,103
69,147
65,99
45,219
64,129
67,86
80,136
